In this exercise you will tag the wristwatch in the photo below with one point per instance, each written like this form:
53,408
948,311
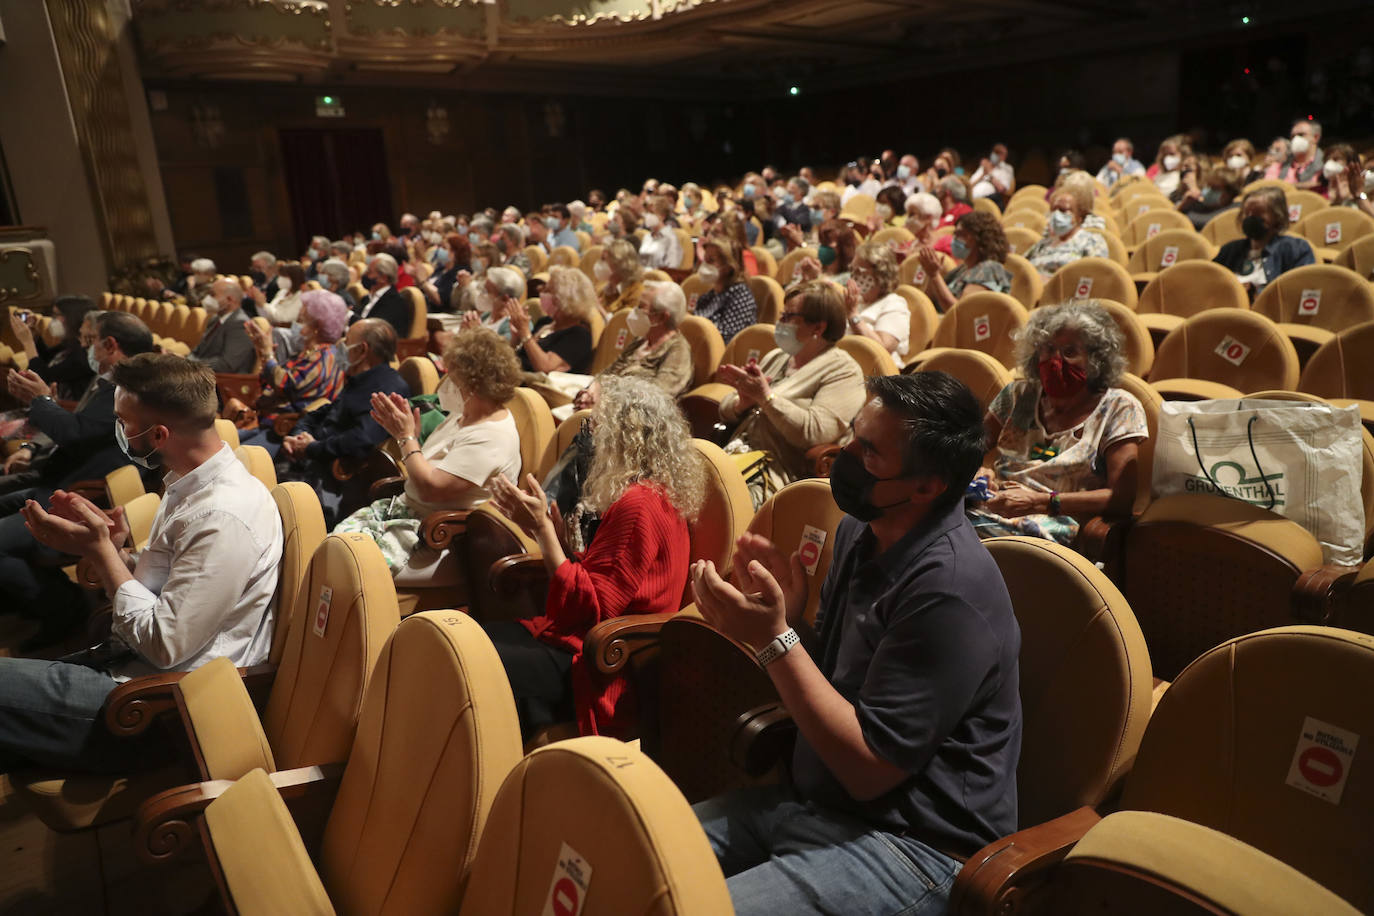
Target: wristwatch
779,646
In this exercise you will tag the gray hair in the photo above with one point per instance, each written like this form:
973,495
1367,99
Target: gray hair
385,264
801,183
482,224
925,204
337,271
341,248
202,266
514,233
1097,334
954,186
667,299
508,281
577,208
324,242
266,257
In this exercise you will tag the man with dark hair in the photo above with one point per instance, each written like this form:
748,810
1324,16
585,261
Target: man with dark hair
202,588
345,428
906,701
560,228
73,445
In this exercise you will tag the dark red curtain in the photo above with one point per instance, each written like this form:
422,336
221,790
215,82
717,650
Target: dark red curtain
337,182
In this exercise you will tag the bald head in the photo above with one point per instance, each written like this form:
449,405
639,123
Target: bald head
370,342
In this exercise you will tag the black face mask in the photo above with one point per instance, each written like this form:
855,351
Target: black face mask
941,172
368,282
1254,228
852,487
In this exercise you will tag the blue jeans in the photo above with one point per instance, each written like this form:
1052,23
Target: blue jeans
785,857
50,714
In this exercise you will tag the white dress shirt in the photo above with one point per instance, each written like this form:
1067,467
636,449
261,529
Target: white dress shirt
205,585
661,248
283,308
372,300
982,182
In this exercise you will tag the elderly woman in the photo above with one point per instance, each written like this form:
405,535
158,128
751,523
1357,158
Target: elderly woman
660,246
1066,439
834,255
285,304
493,300
453,467
1065,238
510,241
803,394
63,364
872,306
316,371
923,215
646,483
979,243
1265,252
727,303
658,353
561,341
619,276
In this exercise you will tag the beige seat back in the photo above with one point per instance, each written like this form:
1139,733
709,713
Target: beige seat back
346,610
437,735
726,510
1019,239
1265,725
303,530
1223,228
693,287
767,296
1026,219
1302,204
1169,247
123,484
925,318
983,375
1319,295
893,236
985,321
258,462
420,374
1136,344
1238,348
539,258
614,339
1152,222
751,343
227,432
1036,205
1081,649
1027,285
1334,227
564,256
612,807
139,513
1358,255
588,263
562,438
1191,288
1116,249
1201,569
1341,367
768,265
871,356
534,423
1151,401
707,348
802,516
789,261
1090,278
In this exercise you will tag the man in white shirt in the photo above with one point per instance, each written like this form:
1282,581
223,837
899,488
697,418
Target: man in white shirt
994,176
201,589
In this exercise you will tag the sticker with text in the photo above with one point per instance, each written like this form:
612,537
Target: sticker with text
1169,257
568,889
982,327
1294,212
1232,350
1084,289
322,610
1310,302
919,278
620,338
1333,233
812,543
1142,209
1322,759
1152,230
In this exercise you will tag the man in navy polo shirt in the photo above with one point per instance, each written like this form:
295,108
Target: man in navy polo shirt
906,700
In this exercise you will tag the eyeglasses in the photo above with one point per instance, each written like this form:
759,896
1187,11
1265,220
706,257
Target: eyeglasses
789,316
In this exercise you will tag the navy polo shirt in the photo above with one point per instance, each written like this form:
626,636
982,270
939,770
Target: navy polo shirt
922,640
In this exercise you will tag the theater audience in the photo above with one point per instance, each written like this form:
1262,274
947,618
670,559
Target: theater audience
658,353
980,245
952,193
560,227
263,270
385,302
727,303
906,702
1343,176
561,341
1215,193
1122,163
510,241
1166,171
439,289
334,277
64,363
660,246
1265,252
285,303
923,217
316,370
1066,437
1303,166
994,176
796,397
224,345
873,309
452,467
646,484
619,275
494,299
1239,157
201,589
1065,238
834,255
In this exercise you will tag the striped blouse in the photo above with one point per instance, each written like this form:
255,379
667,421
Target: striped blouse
314,373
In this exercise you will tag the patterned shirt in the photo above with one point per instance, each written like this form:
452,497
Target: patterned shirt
1048,255
985,273
312,374
731,311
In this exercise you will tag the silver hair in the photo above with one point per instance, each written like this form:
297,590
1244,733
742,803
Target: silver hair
925,203
337,271
385,264
1097,334
321,240
954,186
667,299
266,257
508,281
514,232
341,248
202,266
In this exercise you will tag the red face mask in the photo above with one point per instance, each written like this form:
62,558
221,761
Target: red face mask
1061,379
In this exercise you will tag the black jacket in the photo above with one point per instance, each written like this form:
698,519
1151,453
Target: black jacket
392,307
85,439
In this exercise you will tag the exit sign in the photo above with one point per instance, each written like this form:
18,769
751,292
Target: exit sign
328,106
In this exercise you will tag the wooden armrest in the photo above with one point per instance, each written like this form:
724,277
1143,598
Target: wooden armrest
762,736
134,705
386,488
612,643
94,490
517,573
163,826
821,457
1001,873
1317,592
1102,539
440,528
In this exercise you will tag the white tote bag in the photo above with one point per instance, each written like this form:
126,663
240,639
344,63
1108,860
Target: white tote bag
1299,459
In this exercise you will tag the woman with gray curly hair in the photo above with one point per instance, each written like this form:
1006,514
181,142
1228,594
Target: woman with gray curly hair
1065,438
646,482
873,308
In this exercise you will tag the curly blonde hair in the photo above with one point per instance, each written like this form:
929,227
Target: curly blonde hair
623,256
480,362
574,291
640,436
884,263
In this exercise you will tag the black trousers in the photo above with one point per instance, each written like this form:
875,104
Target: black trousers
538,673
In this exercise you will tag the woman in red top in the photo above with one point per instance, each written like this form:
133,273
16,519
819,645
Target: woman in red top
646,484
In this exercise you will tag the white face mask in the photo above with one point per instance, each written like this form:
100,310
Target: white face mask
602,270
1061,221
450,398
1369,181
1170,163
1300,145
785,336
1238,162
57,330
884,212
1332,168
211,306
284,284
709,273
637,322
651,221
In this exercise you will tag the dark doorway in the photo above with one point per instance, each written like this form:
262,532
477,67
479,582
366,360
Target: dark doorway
337,182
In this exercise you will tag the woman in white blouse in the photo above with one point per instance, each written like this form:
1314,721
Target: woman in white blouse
284,307
872,307
660,247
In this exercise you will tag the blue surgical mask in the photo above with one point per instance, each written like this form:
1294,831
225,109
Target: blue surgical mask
1061,221
958,248
903,172
376,236
551,223
151,459
749,192
474,238
788,199
817,217
1211,197
1119,158
442,257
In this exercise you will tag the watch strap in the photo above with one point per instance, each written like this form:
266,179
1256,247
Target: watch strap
779,646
